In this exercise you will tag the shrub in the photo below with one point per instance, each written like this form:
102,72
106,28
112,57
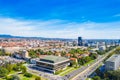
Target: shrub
3,72
28,74
13,77
38,78
24,69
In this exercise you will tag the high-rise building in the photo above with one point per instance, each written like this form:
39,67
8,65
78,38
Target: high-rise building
80,42
119,42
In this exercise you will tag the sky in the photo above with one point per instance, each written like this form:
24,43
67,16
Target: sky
91,19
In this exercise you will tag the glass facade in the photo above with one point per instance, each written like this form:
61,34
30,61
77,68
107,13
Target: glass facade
53,66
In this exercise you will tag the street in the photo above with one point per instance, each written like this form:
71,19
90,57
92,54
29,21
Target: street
88,70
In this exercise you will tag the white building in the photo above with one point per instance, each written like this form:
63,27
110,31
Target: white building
0,47
113,63
102,48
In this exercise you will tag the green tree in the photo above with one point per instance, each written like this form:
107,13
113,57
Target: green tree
38,78
14,77
2,52
9,67
81,61
117,51
87,59
96,78
24,69
3,72
32,53
93,56
115,75
28,74
16,67
63,53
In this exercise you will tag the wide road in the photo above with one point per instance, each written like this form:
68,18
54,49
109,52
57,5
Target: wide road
86,72
83,72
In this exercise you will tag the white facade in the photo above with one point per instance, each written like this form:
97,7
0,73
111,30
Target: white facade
102,48
113,63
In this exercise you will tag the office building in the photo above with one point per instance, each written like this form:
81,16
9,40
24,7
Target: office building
113,63
80,42
52,63
119,42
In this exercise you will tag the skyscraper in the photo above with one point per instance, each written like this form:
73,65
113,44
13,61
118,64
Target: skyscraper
80,43
119,42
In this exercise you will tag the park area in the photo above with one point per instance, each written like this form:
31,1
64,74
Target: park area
22,76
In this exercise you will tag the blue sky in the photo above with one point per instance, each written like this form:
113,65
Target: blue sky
61,18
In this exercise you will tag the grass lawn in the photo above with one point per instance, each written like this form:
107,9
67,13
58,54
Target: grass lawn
13,72
89,79
70,69
88,63
66,71
22,77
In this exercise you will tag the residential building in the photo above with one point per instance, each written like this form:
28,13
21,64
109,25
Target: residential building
25,54
22,54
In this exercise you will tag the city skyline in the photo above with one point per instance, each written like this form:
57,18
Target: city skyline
61,19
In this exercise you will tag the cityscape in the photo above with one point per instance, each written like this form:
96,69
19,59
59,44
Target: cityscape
59,40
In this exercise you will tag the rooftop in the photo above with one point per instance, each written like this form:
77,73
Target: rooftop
114,57
53,59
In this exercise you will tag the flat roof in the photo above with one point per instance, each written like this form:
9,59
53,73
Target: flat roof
54,59
114,58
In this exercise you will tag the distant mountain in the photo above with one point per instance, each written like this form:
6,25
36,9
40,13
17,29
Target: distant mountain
11,36
6,36
42,38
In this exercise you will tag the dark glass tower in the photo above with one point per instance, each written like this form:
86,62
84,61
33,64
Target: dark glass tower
119,42
80,43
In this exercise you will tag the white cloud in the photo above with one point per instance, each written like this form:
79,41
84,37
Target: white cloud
117,15
59,28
